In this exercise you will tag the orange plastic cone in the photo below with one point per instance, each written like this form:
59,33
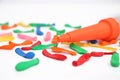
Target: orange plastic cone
106,30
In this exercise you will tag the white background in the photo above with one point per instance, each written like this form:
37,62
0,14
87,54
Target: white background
75,12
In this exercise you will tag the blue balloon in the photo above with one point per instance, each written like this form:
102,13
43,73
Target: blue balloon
28,55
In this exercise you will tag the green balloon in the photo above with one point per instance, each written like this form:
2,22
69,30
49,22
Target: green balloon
19,31
40,24
58,32
77,48
69,26
21,66
6,23
115,59
43,46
